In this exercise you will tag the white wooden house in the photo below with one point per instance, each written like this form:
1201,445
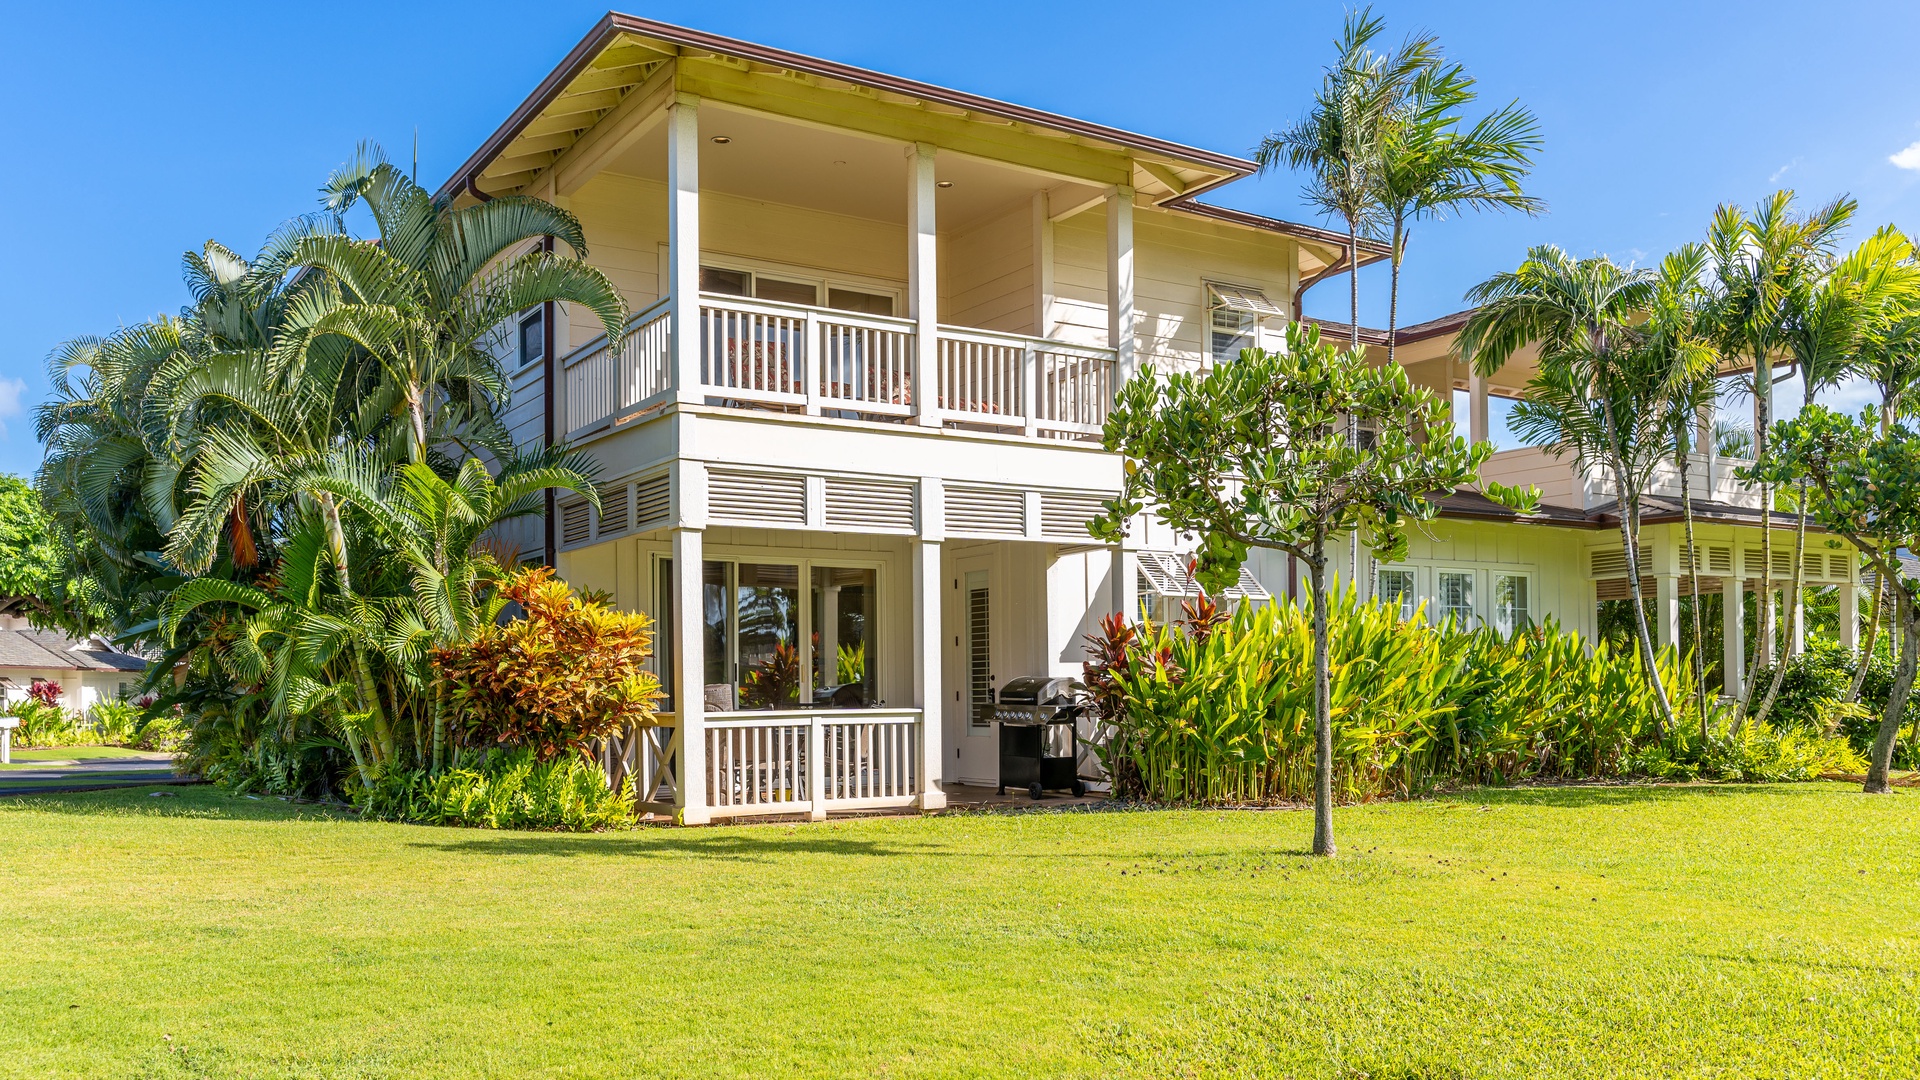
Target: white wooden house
849,445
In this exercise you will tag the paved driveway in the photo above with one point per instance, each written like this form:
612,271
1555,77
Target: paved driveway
71,775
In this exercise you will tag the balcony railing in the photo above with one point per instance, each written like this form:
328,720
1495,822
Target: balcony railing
758,354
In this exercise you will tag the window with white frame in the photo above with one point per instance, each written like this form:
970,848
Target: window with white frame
1394,589
1453,597
1510,611
1233,319
533,336
795,287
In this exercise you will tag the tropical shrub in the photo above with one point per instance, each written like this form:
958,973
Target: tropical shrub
571,671
116,721
1213,709
504,789
45,724
1814,681
164,733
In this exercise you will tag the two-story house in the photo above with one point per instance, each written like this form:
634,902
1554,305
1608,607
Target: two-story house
850,443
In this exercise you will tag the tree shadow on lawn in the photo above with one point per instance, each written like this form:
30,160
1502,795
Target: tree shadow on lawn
734,845
1579,796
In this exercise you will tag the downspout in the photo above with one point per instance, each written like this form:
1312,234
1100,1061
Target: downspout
549,374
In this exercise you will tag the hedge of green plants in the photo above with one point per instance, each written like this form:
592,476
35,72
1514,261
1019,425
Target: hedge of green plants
1218,709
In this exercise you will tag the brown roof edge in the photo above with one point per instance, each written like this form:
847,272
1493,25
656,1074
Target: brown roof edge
613,24
1371,251
1406,335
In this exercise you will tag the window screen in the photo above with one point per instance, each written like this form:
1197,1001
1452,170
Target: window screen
865,303
1395,590
1453,596
786,292
725,282
533,337
1510,613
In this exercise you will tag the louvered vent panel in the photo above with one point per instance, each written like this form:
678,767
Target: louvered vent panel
1813,564
1618,589
874,505
576,523
1606,562
1754,559
1838,566
1065,516
616,511
1720,560
761,498
992,511
652,502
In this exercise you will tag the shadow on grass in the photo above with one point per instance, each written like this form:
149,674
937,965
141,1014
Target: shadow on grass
169,800
737,845
1582,796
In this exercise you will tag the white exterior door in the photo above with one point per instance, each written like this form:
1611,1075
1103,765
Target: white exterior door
972,647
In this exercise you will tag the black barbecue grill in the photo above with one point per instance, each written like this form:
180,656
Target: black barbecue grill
1037,717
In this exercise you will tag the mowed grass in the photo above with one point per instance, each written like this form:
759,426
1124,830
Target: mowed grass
1581,932
38,757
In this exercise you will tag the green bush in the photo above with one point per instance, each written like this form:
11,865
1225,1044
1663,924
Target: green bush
1815,679
42,725
165,733
507,789
116,722
1212,709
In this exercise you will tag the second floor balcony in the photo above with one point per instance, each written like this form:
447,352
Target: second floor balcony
801,359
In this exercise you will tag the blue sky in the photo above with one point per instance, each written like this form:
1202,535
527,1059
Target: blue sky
135,132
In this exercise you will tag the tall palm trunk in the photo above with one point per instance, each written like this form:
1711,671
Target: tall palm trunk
1763,598
1693,582
1867,639
1629,498
1353,345
1796,613
1393,293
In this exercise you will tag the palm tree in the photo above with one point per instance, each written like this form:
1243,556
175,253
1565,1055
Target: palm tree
1759,263
425,300
1674,335
1339,143
1429,168
1598,391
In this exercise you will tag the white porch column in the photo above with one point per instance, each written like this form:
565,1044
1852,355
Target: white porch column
923,285
1733,635
1126,584
926,669
1666,608
1120,283
1848,595
1477,425
689,677
1798,612
683,245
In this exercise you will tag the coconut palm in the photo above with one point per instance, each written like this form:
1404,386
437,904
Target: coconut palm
1600,391
1759,264
1430,168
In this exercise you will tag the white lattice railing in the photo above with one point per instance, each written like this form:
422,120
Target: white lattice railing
650,756
806,760
759,353
602,383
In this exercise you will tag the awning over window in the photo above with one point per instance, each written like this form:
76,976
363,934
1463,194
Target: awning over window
1166,573
1242,298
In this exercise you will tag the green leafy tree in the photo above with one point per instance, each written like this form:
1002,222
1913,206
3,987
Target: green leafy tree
1255,454
1864,484
28,556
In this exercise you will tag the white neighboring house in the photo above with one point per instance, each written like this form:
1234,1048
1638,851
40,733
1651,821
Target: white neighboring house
87,670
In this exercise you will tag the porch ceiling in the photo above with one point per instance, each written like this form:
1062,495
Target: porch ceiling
772,160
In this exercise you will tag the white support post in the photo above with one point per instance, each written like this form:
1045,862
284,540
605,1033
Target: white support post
683,246
690,678
923,285
1798,612
926,668
1477,425
1120,283
1666,605
1848,597
1126,585
1030,389
1042,266
1733,634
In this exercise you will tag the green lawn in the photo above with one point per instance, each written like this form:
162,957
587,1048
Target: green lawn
1725,932
37,758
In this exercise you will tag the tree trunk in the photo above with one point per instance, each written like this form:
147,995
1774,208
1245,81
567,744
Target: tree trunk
1693,578
1322,711
1629,535
417,416
1882,760
1763,598
1393,292
362,671
1867,639
1796,612
1353,423
439,722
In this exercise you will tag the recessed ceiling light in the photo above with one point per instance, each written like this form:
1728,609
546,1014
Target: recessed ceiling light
944,183
723,139
839,163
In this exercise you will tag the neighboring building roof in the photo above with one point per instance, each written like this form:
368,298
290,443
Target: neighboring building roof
1405,335
41,649
1654,510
